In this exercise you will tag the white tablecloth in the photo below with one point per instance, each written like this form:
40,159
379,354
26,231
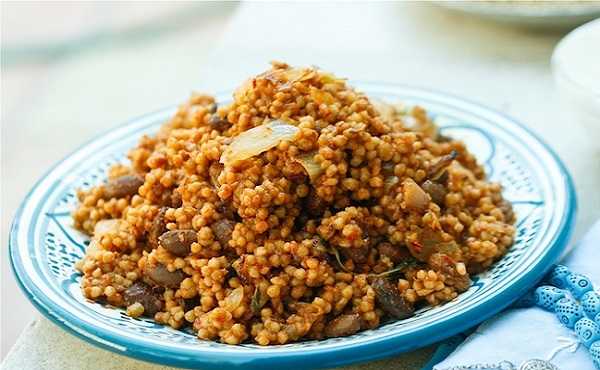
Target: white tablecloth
503,67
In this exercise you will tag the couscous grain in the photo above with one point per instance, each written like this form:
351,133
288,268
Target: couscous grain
303,209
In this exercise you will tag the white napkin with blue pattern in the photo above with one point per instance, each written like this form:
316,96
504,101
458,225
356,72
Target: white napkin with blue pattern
521,334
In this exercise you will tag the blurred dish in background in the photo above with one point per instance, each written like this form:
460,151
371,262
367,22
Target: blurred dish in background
541,14
88,24
576,69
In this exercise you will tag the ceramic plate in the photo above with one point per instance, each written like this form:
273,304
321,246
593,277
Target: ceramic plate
540,14
44,247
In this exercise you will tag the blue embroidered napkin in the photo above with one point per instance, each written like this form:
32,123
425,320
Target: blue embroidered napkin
522,334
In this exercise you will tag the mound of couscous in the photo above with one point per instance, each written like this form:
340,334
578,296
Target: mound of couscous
301,210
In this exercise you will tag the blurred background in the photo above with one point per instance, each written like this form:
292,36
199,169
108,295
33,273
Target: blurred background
73,70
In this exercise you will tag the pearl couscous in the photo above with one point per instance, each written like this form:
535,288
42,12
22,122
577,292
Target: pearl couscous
301,210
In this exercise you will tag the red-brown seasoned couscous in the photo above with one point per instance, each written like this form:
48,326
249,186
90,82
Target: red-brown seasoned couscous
301,210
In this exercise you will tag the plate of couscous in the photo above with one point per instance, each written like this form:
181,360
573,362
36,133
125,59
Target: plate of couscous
299,219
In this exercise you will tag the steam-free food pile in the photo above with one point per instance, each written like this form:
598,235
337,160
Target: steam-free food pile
301,210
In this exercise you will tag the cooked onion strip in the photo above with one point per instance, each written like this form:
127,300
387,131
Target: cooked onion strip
313,169
257,140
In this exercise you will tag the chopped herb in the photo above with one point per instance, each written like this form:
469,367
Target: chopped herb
437,169
319,244
336,253
398,268
258,301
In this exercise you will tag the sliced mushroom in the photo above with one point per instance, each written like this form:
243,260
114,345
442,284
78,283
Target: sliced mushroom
218,123
212,108
190,303
358,255
158,227
429,242
436,191
443,178
144,294
343,325
160,275
214,171
314,205
175,199
443,138
507,210
178,242
445,264
123,186
223,229
394,253
389,299
437,168
475,268
241,270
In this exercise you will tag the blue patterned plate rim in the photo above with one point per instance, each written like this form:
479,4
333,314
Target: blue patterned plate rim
327,353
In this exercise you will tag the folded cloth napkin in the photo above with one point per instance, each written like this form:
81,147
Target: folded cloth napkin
520,334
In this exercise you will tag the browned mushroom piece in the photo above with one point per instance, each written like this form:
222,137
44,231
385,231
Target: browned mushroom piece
158,227
429,242
394,253
389,299
436,191
143,293
178,242
507,210
475,268
443,138
460,282
214,172
358,255
160,275
123,186
443,178
223,229
241,270
343,325
444,263
190,303
218,123
438,167
213,108
175,199
315,206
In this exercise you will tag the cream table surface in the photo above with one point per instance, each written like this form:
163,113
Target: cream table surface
505,68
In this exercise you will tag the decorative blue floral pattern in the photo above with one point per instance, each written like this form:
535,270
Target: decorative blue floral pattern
44,247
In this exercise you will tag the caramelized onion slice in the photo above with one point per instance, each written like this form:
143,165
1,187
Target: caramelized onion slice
106,226
257,140
385,110
234,299
414,196
313,169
